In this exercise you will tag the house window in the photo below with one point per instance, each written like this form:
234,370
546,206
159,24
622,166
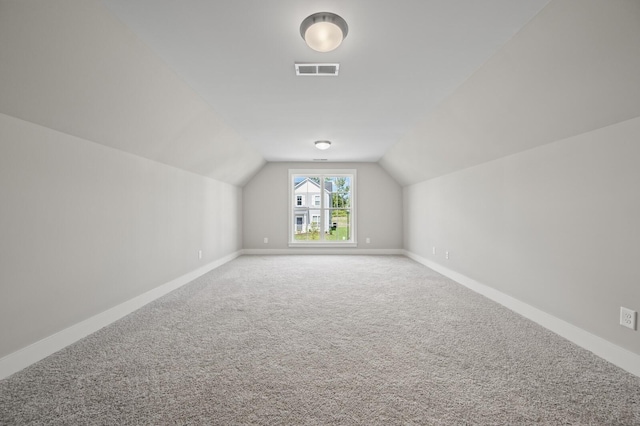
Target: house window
329,219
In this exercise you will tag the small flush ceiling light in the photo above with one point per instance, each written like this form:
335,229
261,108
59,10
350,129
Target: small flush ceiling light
323,144
323,31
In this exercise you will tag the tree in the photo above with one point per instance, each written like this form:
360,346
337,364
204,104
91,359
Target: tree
340,198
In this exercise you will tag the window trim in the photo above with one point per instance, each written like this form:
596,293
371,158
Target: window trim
292,205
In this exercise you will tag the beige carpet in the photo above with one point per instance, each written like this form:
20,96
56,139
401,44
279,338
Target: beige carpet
322,340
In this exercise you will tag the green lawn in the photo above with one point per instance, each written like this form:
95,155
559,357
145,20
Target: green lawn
341,233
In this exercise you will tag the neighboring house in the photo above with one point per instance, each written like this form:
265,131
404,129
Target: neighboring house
308,203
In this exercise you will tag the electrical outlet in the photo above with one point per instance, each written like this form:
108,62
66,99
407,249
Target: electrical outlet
628,318
433,249
446,254
266,240
368,240
199,254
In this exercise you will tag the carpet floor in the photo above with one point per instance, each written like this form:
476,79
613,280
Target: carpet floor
315,340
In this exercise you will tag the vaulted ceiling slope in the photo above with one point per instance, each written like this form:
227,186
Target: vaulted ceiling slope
71,66
573,69
400,59
209,87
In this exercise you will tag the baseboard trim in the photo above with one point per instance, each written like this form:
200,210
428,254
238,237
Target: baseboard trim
326,250
615,354
33,353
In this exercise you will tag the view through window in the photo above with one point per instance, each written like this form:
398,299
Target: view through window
322,207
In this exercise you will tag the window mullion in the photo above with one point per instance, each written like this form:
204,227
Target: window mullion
322,207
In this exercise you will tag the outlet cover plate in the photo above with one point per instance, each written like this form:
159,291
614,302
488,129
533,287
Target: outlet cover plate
628,318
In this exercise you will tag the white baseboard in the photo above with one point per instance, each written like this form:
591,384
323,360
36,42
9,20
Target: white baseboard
616,355
325,250
33,353
22,358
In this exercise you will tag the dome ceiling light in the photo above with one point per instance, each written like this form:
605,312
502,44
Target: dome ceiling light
323,144
323,31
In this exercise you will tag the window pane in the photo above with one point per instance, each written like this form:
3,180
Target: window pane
307,221
304,229
340,228
340,191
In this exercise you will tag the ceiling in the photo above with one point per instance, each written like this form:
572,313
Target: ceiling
400,60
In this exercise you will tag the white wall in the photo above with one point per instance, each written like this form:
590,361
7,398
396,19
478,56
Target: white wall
555,227
266,204
84,227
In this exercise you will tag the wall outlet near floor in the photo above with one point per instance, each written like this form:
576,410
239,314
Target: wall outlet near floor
433,249
628,318
446,254
266,240
368,240
199,254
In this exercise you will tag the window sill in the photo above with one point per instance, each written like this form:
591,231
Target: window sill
323,244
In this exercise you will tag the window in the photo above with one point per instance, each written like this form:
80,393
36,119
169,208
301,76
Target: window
329,219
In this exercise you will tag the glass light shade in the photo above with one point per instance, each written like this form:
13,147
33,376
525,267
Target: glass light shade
323,31
323,36
323,144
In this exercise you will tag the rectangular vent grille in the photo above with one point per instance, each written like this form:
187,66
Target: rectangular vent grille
317,70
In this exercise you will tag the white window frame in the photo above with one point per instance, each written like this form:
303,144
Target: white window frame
301,200
322,173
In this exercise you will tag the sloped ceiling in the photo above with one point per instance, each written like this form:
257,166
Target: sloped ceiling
399,60
71,66
573,69
427,87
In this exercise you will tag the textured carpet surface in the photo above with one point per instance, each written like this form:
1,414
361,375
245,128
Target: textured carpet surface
322,340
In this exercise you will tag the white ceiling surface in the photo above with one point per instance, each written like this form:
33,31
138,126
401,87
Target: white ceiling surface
398,62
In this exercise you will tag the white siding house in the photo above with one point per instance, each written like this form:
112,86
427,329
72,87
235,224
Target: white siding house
308,202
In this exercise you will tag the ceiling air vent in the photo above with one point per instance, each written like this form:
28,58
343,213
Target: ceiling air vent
317,70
